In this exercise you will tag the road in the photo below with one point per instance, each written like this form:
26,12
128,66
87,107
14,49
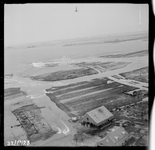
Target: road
122,80
66,130
129,82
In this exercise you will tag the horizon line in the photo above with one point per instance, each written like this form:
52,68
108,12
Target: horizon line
74,38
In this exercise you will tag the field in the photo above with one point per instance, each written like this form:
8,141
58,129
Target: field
13,91
77,99
138,75
133,54
103,66
55,89
64,75
23,118
31,120
85,69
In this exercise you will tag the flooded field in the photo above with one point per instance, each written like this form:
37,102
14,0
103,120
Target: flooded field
48,84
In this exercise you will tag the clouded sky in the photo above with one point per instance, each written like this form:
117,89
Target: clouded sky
28,23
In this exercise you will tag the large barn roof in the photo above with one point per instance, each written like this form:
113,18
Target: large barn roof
100,114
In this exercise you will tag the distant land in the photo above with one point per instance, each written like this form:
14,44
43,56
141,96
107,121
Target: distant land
83,40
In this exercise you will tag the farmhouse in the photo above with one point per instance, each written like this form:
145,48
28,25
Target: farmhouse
117,137
98,117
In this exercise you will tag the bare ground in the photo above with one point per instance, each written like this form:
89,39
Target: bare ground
138,74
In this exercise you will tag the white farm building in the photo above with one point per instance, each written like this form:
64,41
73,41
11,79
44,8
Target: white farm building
98,116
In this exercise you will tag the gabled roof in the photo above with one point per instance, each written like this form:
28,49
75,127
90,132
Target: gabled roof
117,133
105,141
100,114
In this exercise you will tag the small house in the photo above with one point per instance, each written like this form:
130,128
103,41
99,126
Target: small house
117,137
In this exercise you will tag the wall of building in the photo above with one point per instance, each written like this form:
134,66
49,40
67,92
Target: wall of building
111,143
104,143
105,121
90,120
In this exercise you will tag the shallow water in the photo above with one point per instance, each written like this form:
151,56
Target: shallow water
19,60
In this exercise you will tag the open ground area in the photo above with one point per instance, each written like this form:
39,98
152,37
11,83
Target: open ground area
138,74
23,119
85,96
134,118
64,75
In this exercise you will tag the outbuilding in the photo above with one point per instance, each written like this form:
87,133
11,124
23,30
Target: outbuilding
98,116
117,137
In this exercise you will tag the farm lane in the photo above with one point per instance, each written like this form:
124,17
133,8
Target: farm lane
130,83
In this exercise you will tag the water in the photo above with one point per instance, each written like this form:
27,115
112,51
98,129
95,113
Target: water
19,60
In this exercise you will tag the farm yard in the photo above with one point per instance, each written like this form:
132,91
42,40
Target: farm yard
78,99
134,118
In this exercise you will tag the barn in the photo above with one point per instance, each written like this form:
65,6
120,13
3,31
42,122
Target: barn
98,116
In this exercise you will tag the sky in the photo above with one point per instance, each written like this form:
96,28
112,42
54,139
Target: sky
30,23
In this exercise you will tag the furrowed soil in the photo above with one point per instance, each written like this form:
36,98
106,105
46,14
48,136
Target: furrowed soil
78,100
